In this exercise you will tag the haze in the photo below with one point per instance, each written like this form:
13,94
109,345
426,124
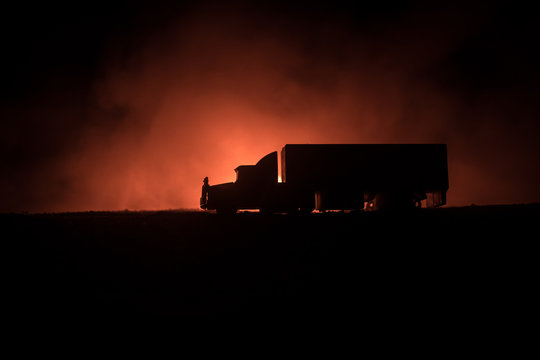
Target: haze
218,86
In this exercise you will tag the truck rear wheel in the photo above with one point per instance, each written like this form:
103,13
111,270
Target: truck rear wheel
266,211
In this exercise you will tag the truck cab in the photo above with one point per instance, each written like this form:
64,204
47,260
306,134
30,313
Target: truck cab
251,190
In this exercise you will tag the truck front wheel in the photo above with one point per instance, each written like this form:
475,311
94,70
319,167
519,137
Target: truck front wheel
306,210
225,211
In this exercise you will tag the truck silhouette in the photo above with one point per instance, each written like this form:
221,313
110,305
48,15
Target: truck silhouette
338,177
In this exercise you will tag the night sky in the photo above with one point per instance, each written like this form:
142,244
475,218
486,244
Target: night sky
129,105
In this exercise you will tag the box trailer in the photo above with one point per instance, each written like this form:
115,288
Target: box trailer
338,177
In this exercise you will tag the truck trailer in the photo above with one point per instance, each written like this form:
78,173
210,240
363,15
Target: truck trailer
327,177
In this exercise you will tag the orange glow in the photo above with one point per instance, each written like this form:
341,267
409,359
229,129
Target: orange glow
216,91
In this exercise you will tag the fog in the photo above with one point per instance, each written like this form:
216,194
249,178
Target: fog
217,88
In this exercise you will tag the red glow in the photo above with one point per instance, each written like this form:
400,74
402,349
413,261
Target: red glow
215,91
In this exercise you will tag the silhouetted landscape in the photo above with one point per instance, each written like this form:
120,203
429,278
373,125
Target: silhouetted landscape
305,105
427,267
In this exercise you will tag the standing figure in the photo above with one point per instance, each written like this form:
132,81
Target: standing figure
204,195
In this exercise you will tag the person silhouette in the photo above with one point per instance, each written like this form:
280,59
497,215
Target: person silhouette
204,194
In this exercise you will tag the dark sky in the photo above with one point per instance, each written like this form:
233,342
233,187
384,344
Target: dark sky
130,104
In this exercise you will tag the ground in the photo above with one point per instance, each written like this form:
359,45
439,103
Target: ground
429,266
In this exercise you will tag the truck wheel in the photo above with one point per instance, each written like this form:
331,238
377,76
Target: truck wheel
305,211
292,211
266,211
225,211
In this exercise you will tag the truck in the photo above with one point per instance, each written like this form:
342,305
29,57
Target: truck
342,177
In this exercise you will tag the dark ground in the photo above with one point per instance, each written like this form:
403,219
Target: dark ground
469,267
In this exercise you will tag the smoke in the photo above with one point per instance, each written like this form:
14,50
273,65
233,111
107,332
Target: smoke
220,87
